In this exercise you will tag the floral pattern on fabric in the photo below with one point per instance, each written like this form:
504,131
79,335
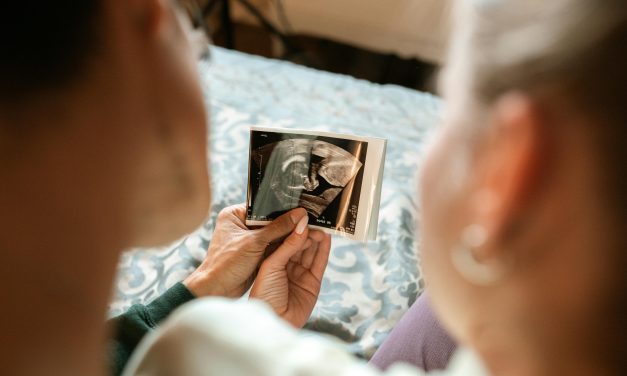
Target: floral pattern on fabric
367,287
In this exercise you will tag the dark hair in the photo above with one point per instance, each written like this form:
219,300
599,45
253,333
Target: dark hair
44,44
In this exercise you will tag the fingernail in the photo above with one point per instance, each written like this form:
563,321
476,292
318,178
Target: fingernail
302,224
296,215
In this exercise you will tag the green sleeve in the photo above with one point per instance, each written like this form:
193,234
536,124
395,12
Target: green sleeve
129,328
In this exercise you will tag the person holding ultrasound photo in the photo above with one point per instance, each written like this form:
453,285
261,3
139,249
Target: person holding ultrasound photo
103,147
103,143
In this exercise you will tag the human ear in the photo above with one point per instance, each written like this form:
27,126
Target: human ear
511,163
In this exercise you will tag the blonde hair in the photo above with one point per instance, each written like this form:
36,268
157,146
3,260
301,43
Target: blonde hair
576,49
514,44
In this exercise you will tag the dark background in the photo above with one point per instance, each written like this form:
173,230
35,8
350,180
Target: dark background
321,53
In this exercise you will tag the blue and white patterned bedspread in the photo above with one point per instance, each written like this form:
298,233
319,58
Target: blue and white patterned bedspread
367,287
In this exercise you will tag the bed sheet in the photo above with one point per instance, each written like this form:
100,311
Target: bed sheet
367,287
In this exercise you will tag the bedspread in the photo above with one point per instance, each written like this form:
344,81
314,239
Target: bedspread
367,287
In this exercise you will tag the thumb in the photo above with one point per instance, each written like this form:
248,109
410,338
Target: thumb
282,226
292,244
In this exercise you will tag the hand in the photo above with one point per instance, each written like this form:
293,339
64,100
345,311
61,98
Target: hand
235,252
289,280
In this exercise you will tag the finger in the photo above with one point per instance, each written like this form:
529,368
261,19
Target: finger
299,255
316,235
292,245
238,211
281,226
308,243
321,258
309,254
296,271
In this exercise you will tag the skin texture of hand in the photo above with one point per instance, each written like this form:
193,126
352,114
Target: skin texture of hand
289,280
236,251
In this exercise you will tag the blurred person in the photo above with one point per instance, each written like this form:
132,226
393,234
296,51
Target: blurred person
229,270
523,204
103,139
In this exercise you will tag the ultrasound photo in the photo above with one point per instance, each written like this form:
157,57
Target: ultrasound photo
321,174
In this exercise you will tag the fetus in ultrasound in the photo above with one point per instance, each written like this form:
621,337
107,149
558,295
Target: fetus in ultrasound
301,172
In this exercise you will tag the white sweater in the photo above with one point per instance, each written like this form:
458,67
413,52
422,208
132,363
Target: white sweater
225,337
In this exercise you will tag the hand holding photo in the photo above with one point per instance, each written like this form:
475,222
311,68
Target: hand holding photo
336,178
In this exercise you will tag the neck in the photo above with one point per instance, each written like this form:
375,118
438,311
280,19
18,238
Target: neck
57,277
51,324
531,355
52,330
60,237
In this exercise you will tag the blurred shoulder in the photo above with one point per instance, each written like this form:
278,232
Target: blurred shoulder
225,337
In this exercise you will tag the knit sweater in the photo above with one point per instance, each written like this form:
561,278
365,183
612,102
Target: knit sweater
129,328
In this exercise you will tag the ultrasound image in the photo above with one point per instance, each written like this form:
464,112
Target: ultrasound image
315,173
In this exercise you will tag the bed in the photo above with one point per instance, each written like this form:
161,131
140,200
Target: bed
367,287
